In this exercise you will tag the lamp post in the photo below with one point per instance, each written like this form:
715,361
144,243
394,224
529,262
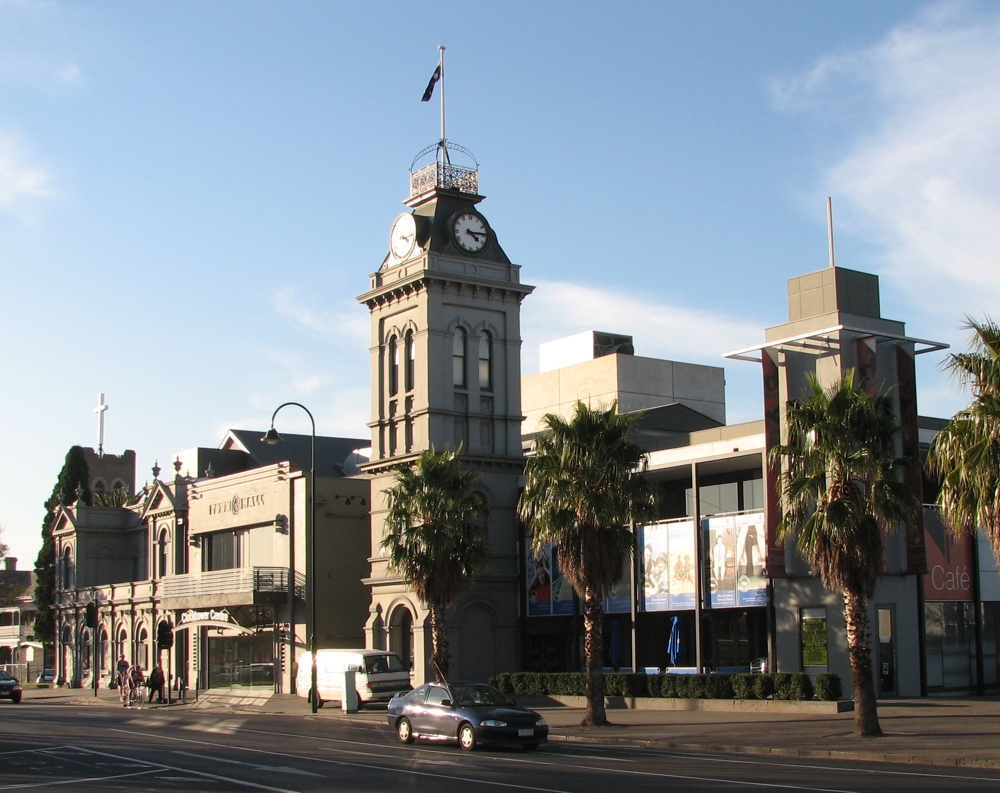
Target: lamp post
272,437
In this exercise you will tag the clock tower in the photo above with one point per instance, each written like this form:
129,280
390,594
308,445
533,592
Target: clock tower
446,371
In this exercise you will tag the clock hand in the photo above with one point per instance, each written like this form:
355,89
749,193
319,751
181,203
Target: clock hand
476,234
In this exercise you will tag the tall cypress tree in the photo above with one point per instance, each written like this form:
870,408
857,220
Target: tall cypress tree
75,473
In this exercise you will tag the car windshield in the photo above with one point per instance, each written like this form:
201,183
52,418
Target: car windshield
380,664
479,695
5,676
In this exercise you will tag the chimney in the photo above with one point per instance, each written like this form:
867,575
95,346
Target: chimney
10,564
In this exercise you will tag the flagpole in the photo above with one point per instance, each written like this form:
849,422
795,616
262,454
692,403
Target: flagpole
444,148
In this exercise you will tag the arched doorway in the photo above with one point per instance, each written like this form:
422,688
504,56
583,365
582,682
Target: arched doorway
67,655
142,649
401,634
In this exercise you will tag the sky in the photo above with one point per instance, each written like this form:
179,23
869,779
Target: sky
193,194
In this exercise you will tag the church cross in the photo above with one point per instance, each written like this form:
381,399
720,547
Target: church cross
100,410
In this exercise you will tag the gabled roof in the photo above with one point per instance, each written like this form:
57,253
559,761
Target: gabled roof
162,498
331,453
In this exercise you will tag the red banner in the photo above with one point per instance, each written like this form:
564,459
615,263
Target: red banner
949,561
772,473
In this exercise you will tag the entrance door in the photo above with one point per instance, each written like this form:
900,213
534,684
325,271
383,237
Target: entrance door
886,653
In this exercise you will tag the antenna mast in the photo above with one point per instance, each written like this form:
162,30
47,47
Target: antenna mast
829,226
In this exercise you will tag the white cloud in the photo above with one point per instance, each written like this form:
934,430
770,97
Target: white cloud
22,181
557,309
348,325
921,174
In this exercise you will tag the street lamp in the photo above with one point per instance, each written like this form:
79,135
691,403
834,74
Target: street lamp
272,438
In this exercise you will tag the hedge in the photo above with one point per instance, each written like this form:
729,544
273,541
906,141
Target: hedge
783,685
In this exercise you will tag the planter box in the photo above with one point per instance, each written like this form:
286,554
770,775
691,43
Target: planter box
719,705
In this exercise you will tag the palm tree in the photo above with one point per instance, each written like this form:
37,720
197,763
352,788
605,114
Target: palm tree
840,487
436,536
585,483
966,453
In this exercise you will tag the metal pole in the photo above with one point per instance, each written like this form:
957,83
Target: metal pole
444,152
311,549
696,504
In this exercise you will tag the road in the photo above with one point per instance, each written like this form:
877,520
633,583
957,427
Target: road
63,747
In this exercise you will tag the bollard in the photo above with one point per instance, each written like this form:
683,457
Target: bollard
349,699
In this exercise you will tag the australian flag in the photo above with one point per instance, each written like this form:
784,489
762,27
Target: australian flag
429,90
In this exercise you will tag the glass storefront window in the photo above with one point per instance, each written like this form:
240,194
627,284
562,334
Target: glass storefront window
949,644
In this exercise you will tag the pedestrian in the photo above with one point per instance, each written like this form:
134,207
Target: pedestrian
155,683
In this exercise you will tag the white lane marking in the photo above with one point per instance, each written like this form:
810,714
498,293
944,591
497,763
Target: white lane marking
384,769
780,763
225,727
163,766
777,762
77,781
282,769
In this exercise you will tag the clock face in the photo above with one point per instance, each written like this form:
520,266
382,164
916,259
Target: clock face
403,236
470,232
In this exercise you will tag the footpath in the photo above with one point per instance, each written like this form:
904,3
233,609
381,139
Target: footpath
955,731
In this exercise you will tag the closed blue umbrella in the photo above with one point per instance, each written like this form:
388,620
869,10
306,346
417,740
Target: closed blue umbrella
674,643
615,652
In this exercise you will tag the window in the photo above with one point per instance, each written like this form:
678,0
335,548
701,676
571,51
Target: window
411,356
458,358
393,366
222,552
67,570
486,362
437,695
161,554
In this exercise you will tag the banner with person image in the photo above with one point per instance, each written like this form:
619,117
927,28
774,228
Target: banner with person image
751,584
548,591
668,566
720,547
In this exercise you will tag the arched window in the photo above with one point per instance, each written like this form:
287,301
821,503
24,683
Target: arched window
161,554
486,361
458,358
393,366
99,486
67,571
410,353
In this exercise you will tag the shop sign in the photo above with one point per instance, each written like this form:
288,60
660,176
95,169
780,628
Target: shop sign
949,561
235,505
191,616
814,646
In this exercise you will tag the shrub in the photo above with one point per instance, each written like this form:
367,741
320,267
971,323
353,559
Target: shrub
696,686
719,686
828,687
743,686
527,684
763,686
501,681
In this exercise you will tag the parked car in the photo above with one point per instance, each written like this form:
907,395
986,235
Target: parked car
9,687
46,677
379,675
471,713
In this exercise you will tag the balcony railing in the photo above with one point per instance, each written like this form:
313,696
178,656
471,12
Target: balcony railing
221,582
446,176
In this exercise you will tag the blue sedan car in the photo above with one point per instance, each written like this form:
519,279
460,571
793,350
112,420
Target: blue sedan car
471,713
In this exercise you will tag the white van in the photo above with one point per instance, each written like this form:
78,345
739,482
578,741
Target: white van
379,675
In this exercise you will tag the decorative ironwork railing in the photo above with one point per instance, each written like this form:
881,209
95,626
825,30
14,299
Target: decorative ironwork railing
444,175
275,579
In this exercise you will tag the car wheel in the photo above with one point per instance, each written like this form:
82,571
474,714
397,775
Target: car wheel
361,704
15,697
404,731
467,737
529,747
